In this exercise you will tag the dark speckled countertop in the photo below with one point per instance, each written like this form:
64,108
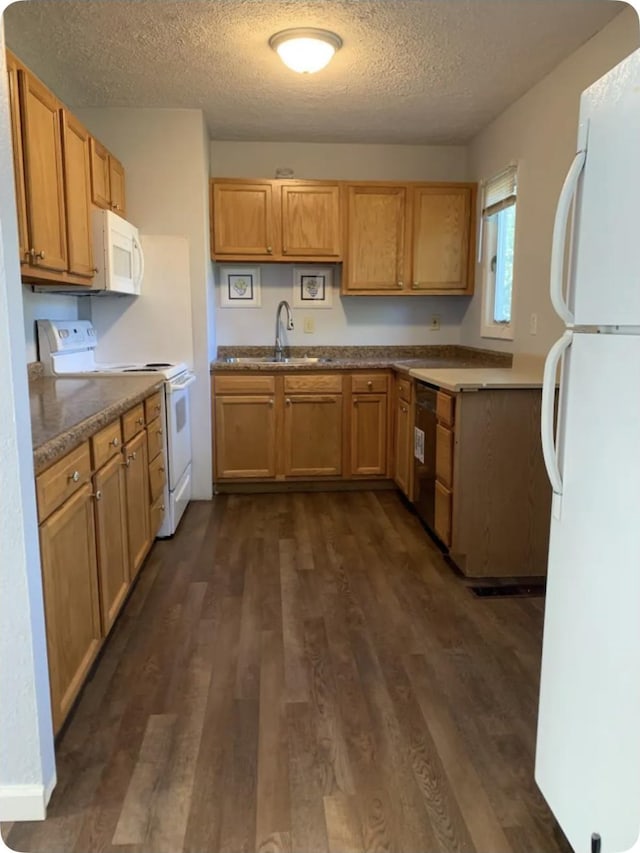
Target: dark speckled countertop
400,358
65,412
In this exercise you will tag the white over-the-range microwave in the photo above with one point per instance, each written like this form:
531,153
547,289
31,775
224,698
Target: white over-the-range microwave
117,257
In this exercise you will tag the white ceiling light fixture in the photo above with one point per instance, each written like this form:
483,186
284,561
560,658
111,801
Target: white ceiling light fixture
305,49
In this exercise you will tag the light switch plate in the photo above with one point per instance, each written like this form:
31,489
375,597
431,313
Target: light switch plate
309,325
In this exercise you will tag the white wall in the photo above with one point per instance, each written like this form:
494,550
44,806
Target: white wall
27,763
339,161
539,132
44,306
166,158
352,320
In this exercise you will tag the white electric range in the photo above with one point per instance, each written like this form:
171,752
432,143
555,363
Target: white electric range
67,348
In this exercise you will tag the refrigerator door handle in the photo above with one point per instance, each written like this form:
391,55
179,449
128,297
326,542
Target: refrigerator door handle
547,411
560,236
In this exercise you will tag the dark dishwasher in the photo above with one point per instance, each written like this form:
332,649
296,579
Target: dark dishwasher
425,471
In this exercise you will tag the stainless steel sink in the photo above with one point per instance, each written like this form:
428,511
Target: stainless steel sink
267,359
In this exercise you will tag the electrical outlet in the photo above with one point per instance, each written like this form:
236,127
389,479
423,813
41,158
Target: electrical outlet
435,323
533,324
309,325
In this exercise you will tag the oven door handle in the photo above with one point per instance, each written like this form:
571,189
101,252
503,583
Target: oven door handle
174,387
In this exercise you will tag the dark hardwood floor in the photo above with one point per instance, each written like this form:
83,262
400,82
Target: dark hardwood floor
302,672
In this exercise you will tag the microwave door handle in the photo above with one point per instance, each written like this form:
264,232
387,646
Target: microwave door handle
139,278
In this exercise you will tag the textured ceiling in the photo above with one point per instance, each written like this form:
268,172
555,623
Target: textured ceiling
411,71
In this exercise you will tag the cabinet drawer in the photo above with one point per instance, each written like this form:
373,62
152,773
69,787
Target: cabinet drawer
330,383
157,477
152,407
64,478
105,444
444,456
376,383
445,408
442,522
405,390
157,515
234,384
155,438
133,422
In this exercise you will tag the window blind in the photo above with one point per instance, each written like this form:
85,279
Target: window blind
499,192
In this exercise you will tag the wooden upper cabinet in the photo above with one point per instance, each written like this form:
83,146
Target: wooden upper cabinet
77,185
242,219
441,238
18,164
100,193
44,180
107,179
376,239
311,220
116,185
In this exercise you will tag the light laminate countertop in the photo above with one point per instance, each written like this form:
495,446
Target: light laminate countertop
65,412
526,372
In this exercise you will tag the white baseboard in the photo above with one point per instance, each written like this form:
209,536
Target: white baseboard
25,802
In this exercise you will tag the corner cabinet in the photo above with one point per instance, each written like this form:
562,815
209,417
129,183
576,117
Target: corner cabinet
273,220
409,239
107,180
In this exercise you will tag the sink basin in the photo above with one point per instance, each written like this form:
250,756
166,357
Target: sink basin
267,359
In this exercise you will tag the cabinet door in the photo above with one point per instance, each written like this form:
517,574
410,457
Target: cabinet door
116,186
111,529
18,164
70,583
376,231
77,186
100,192
444,456
369,434
441,233
138,504
243,219
44,183
443,509
245,437
313,435
403,447
311,221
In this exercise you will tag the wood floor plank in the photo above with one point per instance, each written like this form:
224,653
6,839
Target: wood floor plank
298,673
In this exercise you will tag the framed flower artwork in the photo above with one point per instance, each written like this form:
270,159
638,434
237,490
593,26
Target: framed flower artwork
312,287
239,287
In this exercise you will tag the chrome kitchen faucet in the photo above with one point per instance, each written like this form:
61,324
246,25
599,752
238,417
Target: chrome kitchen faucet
278,348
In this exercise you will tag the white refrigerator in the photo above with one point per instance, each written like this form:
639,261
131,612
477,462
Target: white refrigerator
588,739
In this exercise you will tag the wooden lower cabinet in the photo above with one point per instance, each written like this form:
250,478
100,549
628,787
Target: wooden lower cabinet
403,435
313,435
136,466
70,583
112,539
369,434
492,496
245,437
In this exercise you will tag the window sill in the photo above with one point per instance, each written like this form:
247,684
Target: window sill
499,333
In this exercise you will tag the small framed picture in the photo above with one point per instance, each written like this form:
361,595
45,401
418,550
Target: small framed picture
239,287
312,287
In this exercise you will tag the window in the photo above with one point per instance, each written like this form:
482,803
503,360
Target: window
497,245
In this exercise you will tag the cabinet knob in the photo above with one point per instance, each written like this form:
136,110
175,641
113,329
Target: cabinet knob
369,384
94,270
288,401
284,250
404,409
162,507
415,285
400,284
269,250
161,469
355,402
74,477
97,495
132,456
140,421
271,402
40,255
115,205
115,442
158,432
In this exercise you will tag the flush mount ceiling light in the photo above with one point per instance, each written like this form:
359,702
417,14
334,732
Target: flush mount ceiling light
305,49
